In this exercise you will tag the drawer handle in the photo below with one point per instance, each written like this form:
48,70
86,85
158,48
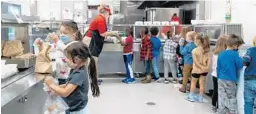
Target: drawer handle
23,99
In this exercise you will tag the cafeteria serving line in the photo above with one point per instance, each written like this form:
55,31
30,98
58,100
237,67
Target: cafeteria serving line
45,72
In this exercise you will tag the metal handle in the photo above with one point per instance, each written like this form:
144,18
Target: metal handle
23,99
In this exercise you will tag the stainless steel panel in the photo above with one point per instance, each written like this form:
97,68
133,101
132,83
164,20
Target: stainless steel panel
22,63
24,95
111,62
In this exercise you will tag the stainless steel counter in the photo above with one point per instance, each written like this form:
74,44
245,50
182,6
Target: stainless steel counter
23,93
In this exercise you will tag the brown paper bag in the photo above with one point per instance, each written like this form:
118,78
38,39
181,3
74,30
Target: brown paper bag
43,61
2,46
24,56
12,48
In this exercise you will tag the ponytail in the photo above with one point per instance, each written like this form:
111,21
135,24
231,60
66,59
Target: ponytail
93,78
78,36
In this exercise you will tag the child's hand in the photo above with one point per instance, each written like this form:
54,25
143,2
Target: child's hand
49,81
38,42
53,37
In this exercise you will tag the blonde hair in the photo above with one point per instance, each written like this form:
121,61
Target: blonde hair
204,42
221,44
254,41
191,35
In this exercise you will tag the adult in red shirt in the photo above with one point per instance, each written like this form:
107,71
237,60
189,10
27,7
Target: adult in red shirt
165,29
94,37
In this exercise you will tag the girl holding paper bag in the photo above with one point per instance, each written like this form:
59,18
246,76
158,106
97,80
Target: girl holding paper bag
75,91
68,32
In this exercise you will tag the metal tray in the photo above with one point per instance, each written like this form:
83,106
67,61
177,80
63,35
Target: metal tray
22,63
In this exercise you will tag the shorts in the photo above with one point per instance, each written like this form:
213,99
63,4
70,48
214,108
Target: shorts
198,75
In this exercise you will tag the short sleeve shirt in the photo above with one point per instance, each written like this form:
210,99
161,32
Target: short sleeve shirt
78,99
129,45
99,23
156,46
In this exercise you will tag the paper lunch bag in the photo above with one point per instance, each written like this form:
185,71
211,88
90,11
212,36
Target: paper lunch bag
12,48
43,61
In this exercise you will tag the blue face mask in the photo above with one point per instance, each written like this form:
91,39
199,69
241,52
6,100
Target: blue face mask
65,39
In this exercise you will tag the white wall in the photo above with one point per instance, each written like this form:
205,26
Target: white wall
47,7
243,11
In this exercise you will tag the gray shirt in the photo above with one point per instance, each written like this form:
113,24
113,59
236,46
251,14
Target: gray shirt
78,99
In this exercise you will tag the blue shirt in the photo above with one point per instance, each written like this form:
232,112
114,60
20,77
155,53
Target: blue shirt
78,99
250,57
156,45
187,52
228,65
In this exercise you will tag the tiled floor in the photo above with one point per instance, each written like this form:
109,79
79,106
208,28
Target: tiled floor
119,98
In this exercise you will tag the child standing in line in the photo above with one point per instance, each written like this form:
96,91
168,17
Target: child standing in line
188,61
146,54
228,65
180,59
201,66
75,91
250,79
220,46
170,59
156,45
128,56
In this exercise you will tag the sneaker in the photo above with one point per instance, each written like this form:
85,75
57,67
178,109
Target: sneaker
130,81
100,80
199,98
191,98
183,90
148,79
166,81
124,80
158,80
214,109
174,81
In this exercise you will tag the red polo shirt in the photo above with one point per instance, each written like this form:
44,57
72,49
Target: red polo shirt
99,23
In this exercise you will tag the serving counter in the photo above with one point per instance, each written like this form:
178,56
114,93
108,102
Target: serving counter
111,59
23,93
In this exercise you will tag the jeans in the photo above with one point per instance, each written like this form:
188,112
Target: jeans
147,66
155,62
82,111
170,64
249,95
128,65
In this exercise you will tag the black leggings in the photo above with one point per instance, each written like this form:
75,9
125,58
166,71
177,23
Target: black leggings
215,92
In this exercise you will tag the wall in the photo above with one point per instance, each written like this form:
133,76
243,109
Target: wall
240,14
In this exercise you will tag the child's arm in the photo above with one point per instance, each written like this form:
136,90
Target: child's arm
218,66
247,57
184,50
76,80
238,61
148,46
62,91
